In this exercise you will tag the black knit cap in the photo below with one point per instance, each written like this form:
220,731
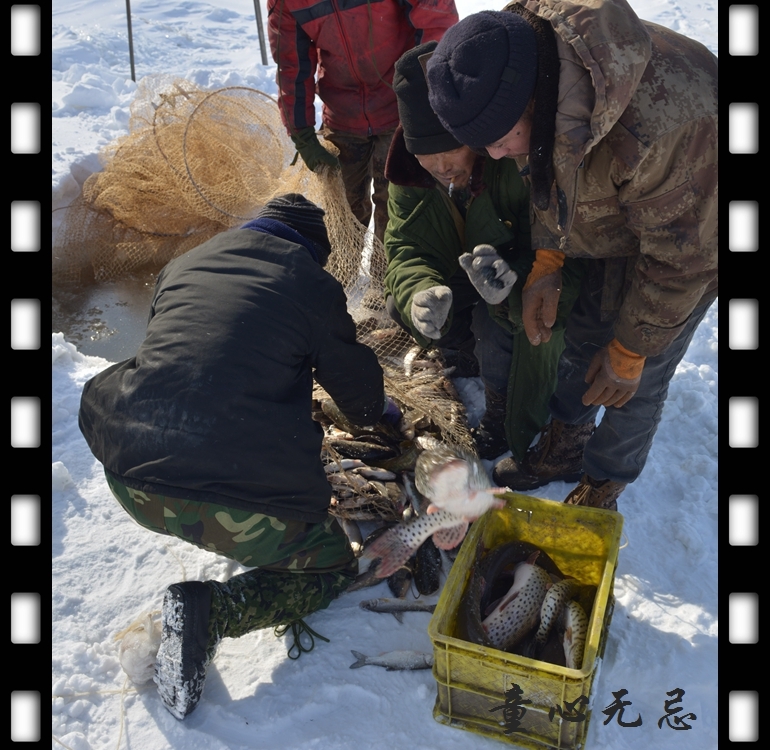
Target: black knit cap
303,217
423,131
482,76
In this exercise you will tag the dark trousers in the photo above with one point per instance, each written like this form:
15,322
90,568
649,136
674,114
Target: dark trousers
619,447
362,162
494,350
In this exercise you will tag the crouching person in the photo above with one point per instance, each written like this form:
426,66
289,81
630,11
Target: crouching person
206,434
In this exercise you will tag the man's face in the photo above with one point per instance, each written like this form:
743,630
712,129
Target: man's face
447,167
515,142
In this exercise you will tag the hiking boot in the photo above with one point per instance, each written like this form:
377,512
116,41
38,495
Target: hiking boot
556,457
596,493
186,648
489,436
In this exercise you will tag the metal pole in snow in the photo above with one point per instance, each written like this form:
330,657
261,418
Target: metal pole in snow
260,31
131,40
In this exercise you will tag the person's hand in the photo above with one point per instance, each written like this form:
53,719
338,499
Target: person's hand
489,273
613,376
430,309
391,414
310,149
540,296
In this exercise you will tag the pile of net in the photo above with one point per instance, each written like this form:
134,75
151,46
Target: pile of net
196,162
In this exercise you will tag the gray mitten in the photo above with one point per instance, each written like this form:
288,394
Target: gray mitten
430,308
489,273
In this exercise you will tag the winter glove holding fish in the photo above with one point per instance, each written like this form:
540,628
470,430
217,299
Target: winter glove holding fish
614,375
489,273
310,149
540,296
430,309
458,488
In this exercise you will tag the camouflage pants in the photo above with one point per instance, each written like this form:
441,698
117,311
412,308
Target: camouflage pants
302,567
362,160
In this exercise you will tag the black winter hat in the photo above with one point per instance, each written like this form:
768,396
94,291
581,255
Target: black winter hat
482,75
423,131
303,217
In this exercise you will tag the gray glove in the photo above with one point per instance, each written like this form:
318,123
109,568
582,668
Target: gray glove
489,273
430,308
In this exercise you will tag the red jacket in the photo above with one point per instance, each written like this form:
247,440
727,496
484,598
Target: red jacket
350,47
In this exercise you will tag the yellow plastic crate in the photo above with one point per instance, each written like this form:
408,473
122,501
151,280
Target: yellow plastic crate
473,680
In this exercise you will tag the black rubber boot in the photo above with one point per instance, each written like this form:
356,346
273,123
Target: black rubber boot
197,615
186,648
489,436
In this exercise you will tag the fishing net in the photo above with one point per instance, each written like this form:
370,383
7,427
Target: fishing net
196,162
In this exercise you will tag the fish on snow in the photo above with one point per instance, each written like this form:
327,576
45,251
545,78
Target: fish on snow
394,660
396,607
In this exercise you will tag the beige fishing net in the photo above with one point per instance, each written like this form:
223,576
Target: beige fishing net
197,162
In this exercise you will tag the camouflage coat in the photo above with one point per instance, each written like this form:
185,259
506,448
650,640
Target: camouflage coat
635,159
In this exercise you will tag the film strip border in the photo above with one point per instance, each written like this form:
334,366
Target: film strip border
28,391
739,487
739,490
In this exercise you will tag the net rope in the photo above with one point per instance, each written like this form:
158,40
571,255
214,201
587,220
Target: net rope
196,162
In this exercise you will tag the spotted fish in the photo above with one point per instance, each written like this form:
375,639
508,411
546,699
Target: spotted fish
517,612
574,621
400,542
492,576
556,598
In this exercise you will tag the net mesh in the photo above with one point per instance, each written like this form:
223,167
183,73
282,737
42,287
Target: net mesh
196,162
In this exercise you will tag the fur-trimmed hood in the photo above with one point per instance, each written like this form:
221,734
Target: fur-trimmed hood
403,169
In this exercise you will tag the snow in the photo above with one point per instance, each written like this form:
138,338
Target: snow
107,571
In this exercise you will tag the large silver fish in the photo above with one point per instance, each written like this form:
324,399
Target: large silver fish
455,480
394,660
575,623
517,612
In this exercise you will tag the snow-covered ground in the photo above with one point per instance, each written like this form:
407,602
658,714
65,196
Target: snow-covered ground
106,570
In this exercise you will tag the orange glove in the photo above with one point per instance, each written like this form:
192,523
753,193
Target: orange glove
613,375
540,295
